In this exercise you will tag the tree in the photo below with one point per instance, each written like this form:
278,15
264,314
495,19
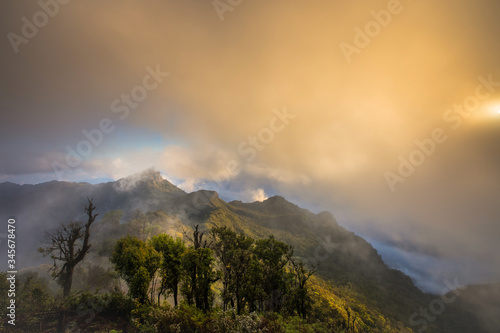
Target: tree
69,244
136,262
111,220
241,257
234,253
137,224
273,256
199,274
34,296
223,246
253,290
106,231
197,239
299,293
171,251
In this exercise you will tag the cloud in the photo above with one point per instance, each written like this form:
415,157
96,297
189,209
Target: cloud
352,123
258,195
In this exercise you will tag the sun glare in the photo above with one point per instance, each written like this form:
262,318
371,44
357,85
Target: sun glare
486,114
492,109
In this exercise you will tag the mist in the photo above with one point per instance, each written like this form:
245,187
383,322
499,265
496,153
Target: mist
211,122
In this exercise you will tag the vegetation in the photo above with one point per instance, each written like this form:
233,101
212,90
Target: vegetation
136,262
224,268
256,275
69,244
171,264
63,246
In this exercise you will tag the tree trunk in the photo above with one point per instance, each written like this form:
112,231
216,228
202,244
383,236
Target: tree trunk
66,291
60,322
194,290
68,281
238,305
224,296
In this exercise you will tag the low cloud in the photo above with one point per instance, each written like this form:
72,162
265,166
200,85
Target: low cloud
352,123
259,195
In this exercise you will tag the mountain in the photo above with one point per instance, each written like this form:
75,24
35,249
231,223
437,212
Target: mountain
481,303
349,269
38,208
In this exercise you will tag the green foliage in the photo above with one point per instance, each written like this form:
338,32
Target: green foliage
32,298
262,286
150,224
33,294
199,275
114,303
255,275
136,262
99,278
188,318
93,277
298,298
106,231
171,251
4,300
142,225
86,311
117,304
111,220
234,253
273,256
260,275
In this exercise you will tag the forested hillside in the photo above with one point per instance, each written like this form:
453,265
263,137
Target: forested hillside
164,260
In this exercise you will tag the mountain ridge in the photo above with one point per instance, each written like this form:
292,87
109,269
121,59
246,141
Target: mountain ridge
341,257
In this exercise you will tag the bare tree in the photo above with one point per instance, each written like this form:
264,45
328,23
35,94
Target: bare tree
69,244
197,239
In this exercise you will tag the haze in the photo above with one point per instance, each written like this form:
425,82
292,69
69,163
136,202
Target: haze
329,123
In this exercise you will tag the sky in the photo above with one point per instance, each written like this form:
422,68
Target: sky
386,113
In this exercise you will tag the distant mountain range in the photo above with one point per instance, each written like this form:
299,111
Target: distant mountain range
343,259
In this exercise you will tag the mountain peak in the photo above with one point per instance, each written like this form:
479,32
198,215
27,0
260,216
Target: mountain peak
277,203
327,217
204,198
277,200
150,178
150,174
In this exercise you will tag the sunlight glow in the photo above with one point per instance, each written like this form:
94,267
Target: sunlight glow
491,110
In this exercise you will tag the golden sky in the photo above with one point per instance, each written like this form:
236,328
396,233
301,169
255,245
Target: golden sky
351,118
